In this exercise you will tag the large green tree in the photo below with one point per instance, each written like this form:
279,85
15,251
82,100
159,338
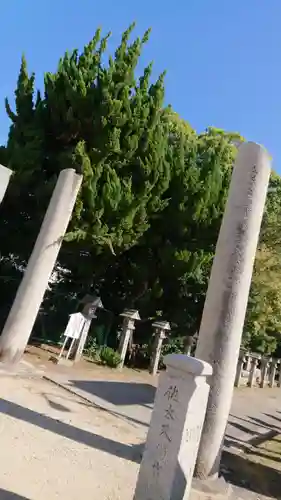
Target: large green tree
166,273
100,119
145,225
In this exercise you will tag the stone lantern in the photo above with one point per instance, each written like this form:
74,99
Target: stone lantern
161,328
5,174
130,316
91,304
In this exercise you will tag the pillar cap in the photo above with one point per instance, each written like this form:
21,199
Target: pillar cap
163,325
188,364
93,300
131,314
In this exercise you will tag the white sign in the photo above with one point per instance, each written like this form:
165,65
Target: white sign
74,326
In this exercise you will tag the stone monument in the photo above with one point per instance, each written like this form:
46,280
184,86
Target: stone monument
227,296
174,433
30,293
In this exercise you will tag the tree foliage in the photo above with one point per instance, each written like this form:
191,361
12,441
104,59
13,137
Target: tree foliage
262,331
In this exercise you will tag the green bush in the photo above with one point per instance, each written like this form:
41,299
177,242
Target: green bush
173,346
109,357
92,350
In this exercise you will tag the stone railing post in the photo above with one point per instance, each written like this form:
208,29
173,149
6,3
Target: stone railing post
264,372
241,361
279,373
272,372
248,360
161,327
253,370
168,462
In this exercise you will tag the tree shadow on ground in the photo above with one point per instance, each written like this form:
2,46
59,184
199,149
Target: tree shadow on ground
118,393
86,400
9,495
128,452
242,472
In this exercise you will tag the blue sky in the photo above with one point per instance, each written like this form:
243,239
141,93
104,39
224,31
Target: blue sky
222,57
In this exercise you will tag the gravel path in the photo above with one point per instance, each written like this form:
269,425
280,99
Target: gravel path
55,446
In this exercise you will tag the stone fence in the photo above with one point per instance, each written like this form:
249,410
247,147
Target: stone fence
254,370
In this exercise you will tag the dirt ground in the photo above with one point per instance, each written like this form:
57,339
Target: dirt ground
41,357
251,464
53,445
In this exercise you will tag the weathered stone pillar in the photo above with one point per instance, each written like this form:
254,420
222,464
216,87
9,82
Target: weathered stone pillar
188,344
279,373
239,369
253,370
226,301
272,373
173,437
130,316
248,361
264,372
161,327
5,174
30,293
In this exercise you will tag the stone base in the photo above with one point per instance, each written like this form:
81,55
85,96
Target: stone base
62,361
209,489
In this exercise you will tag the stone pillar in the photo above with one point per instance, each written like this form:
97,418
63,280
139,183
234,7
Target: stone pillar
160,328
30,293
239,369
5,174
173,437
248,361
264,372
272,374
279,373
129,315
188,344
253,370
227,296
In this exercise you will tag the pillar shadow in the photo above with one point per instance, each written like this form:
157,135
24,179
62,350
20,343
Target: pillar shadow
255,477
274,417
128,452
118,393
266,424
9,495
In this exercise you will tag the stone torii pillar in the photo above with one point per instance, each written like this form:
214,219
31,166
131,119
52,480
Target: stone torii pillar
227,296
31,291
